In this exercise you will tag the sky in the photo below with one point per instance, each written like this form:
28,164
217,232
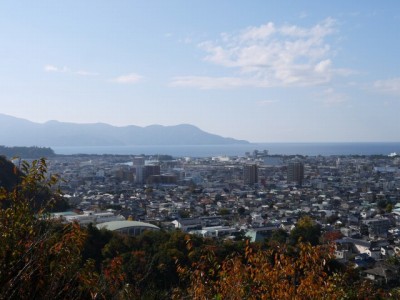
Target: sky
262,71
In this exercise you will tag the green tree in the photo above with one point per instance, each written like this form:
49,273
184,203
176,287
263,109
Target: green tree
306,230
279,236
223,211
389,208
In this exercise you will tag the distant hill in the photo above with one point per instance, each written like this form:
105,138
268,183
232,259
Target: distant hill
21,132
26,152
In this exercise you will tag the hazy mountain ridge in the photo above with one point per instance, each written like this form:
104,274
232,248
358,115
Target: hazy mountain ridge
21,132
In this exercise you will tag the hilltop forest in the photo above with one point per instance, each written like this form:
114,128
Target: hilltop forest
43,258
26,152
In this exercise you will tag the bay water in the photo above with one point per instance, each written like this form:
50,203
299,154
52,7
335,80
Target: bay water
310,149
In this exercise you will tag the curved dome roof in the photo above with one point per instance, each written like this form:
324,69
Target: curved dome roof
118,225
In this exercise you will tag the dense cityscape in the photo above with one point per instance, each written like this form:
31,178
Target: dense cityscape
356,197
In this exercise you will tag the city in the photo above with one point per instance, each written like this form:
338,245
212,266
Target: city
355,197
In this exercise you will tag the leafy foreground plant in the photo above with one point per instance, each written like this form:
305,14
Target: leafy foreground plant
282,272
40,258
270,274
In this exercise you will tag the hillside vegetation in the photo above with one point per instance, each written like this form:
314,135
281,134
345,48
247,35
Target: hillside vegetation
26,152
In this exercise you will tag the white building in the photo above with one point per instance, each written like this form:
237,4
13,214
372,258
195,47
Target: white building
93,217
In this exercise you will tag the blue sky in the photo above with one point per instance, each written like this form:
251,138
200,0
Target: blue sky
264,71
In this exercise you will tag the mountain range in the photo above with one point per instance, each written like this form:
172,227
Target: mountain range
21,132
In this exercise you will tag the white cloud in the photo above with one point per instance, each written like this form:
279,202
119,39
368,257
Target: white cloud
270,55
128,79
266,102
323,66
55,69
205,83
390,86
52,68
258,33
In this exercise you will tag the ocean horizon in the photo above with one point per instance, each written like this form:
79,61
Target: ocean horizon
306,149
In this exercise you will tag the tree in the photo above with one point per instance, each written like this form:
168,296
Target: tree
389,208
223,212
279,236
306,230
183,213
260,274
40,257
241,210
331,236
281,272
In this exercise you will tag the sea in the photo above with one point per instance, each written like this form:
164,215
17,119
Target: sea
306,149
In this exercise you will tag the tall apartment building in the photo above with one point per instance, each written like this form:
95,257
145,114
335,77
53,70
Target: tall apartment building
138,164
250,174
295,171
150,170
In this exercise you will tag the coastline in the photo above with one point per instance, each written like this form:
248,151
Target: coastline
307,149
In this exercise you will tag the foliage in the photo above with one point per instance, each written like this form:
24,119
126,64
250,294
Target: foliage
279,236
224,212
36,259
331,236
26,152
164,157
183,213
241,210
281,272
260,274
39,257
9,175
306,230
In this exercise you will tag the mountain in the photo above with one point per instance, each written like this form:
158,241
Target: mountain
21,132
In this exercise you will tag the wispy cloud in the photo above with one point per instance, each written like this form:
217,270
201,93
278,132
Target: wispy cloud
128,78
303,15
56,69
331,97
204,82
389,86
52,68
266,102
86,73
270,55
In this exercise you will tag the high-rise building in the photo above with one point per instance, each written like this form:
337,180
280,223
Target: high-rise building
250,174
295,171
150,170
138,164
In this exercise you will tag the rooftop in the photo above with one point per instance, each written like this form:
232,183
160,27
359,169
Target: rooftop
117,225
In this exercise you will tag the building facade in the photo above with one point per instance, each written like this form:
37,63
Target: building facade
250,174
295,172
138,164
150,170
